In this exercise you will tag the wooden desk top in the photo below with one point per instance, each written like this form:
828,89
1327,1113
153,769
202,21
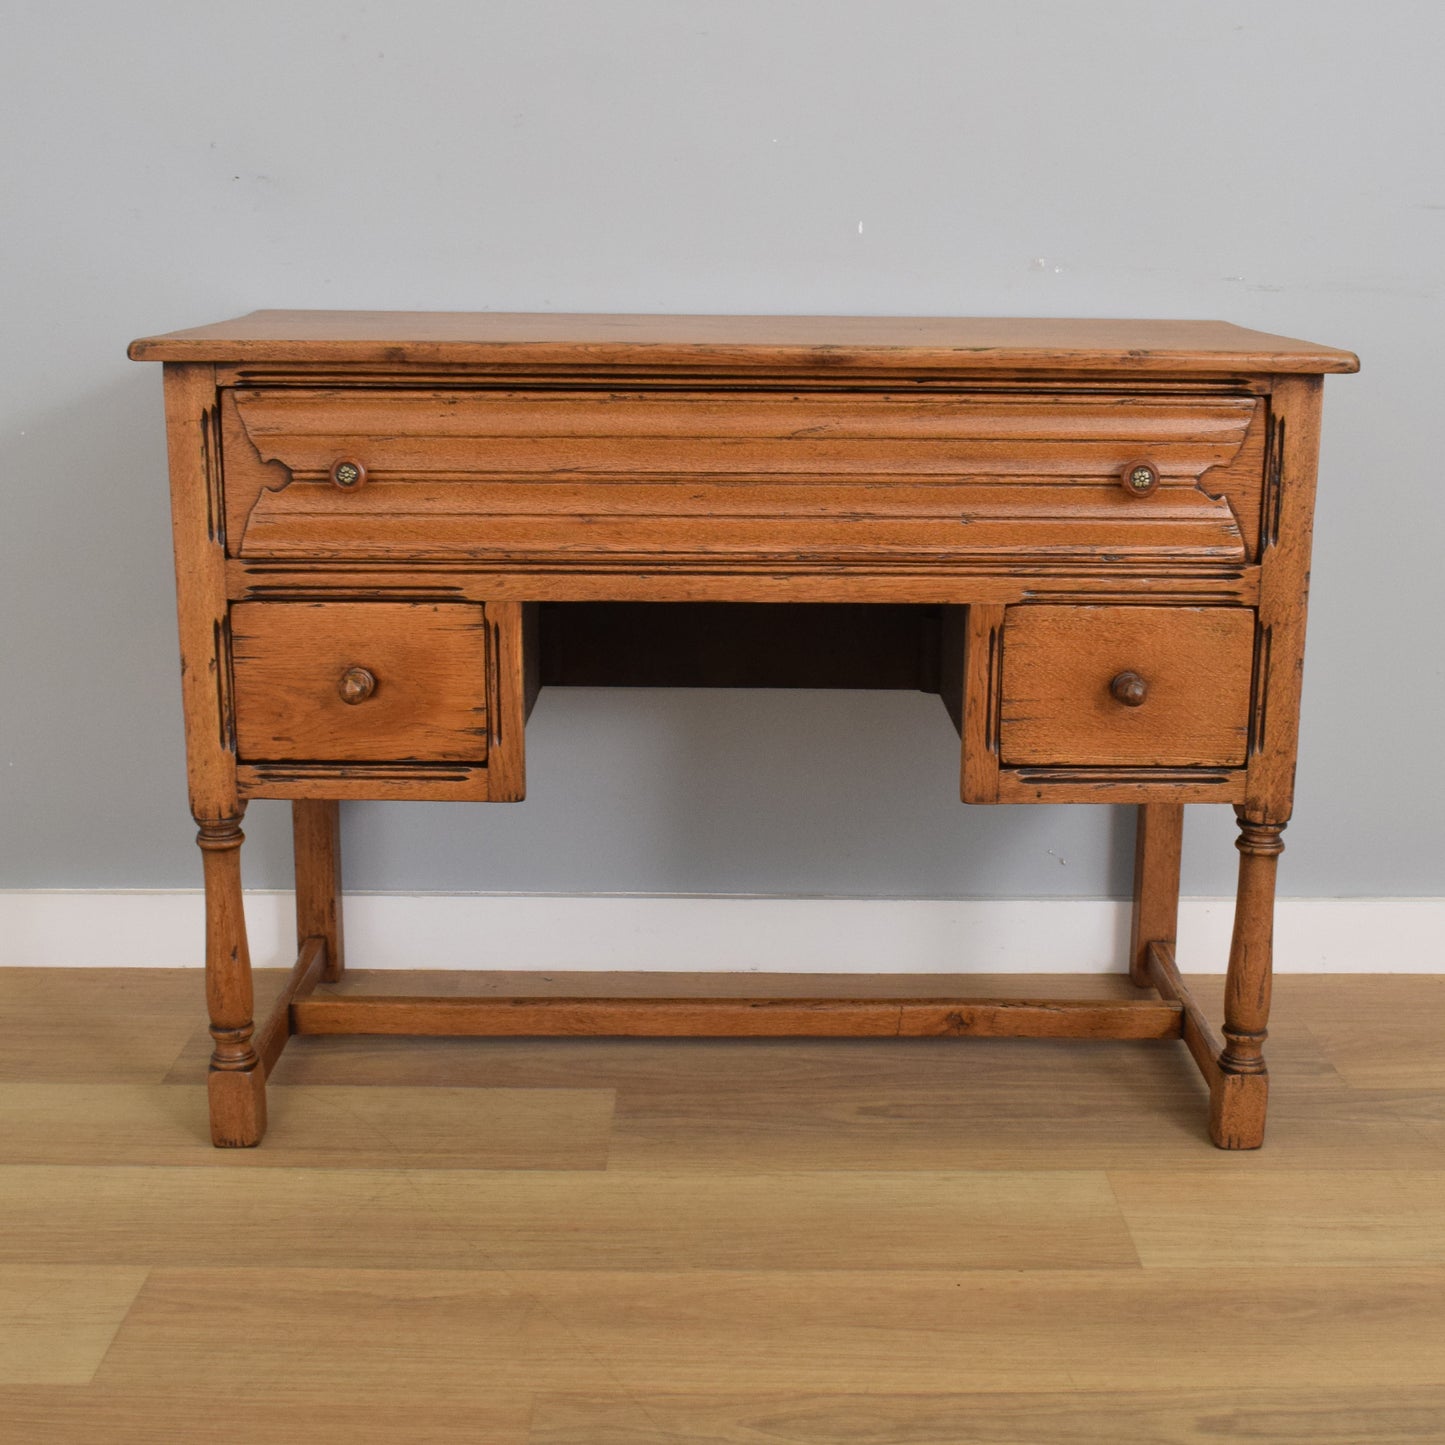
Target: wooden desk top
965,344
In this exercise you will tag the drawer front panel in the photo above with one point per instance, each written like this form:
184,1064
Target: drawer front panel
524,476
1126,686
342,682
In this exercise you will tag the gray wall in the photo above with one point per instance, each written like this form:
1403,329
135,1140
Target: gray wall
166,164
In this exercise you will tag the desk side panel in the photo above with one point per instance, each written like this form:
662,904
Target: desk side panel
1290,478
199,534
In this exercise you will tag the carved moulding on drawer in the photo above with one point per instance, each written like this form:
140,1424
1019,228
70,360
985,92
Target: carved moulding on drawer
247,472
1239,483
1120,785
685,479
745,377
377,783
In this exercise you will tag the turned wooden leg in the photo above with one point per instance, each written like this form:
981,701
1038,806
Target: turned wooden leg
237,1081
1156,884
1237,1101
316,834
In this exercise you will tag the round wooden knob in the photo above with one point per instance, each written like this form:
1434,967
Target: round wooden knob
348,475
356,684
1130,689
1140,478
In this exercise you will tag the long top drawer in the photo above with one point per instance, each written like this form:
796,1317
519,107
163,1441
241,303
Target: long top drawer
521,476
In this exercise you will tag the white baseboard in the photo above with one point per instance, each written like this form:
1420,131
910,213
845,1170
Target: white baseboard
141,929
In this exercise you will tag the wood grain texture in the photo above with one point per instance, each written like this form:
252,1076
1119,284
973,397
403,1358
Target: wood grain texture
1058,663
322,782
823,343
1120,784
1154,918
982,677
981,583
316,855
578,436
738,1017
511,690
1200,1036
1238,1097
576,1221
236,1077
1386,1038
58,1320
998,1106
95,1025
807,1241
1347,1217
1290,478
182,1412
421,1333
671,479
321,1127
743,1105
1069,1417
430,665
953,525
857,1106
271,1037
199,541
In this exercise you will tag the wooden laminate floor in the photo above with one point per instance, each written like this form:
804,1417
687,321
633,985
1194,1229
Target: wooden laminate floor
608,1242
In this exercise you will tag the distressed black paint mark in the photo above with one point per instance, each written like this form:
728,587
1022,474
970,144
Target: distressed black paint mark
492,633
322,772
1111,777
993,725
211,472
1132,599
221,667
1259,688
345,591
1273,483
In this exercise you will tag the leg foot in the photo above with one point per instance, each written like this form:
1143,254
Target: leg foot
238,1107
1237,1104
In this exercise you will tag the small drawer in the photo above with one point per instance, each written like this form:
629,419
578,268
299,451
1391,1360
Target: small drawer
1126,686
342,682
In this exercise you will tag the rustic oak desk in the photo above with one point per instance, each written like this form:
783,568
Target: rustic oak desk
1090,538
